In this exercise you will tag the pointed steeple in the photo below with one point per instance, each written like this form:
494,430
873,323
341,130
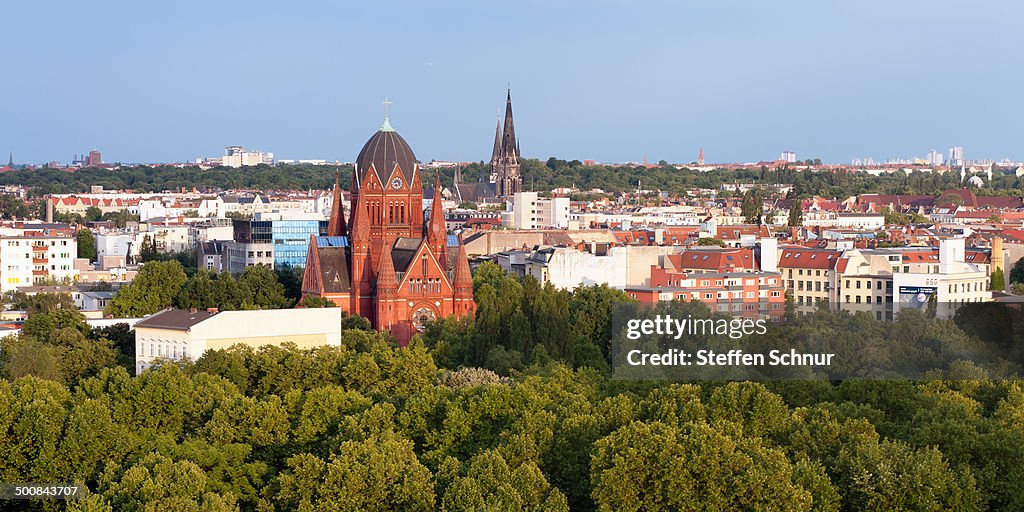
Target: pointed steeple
497,143
387,282
436,231
10,161
437,234
360,221
700,157
463,281
508,138
336,224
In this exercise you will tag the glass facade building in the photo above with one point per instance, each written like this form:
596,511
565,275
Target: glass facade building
291,239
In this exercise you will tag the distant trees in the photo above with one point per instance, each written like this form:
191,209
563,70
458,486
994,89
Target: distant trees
154,288
1017,272
521,322
709,241
796,214
162,284
752,207
86,244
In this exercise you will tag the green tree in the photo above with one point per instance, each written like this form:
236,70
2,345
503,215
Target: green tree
380,473
1017,272
490,483
262,289
998,281
752,206
693,467
796,214
709,241
317,302
154,288
86,244
93,214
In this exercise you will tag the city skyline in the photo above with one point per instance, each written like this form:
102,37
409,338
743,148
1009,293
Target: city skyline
604,82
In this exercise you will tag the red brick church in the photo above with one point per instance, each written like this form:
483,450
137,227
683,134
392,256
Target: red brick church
388,264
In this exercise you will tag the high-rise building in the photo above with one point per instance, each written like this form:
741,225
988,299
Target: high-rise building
934,158
505,157
788,156
93,159
237,156
956,156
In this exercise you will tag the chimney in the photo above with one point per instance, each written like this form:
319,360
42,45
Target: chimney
193,310
211,310
998,259
49,209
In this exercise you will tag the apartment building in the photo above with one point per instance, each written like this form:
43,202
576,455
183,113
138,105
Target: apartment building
32,253
808,274
740,294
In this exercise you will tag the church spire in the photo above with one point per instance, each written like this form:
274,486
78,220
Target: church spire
360,221
336,224
496,153
387,282
508,140
463,281
437,235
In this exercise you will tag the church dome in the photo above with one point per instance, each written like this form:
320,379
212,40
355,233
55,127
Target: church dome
383,152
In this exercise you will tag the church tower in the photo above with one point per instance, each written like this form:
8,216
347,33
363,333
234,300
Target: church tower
505,167
386,262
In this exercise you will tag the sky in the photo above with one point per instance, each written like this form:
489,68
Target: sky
610,81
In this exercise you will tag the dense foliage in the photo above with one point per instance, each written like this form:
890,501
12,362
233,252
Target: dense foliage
537,175
162,284
367,426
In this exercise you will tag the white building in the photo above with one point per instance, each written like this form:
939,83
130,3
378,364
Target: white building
956,282
117,244
618,267
176,335
527,211
826,219
237,156
31,254
788,156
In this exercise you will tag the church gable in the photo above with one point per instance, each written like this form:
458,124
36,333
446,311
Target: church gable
423,267
311,275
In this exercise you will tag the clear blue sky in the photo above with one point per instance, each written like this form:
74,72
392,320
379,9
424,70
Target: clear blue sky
612,81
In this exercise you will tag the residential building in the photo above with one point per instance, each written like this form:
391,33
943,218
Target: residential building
32,253
740,294
808,275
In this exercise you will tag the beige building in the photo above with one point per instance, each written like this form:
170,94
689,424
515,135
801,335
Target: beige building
808,275
176,334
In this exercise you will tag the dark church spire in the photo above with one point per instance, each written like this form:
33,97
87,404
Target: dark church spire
497,142
505,167
508,138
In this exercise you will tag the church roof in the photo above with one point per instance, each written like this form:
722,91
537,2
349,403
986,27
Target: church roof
383,151
403,252
332,241
334,273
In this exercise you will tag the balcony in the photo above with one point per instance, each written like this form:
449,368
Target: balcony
40,248
40,273
40,261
